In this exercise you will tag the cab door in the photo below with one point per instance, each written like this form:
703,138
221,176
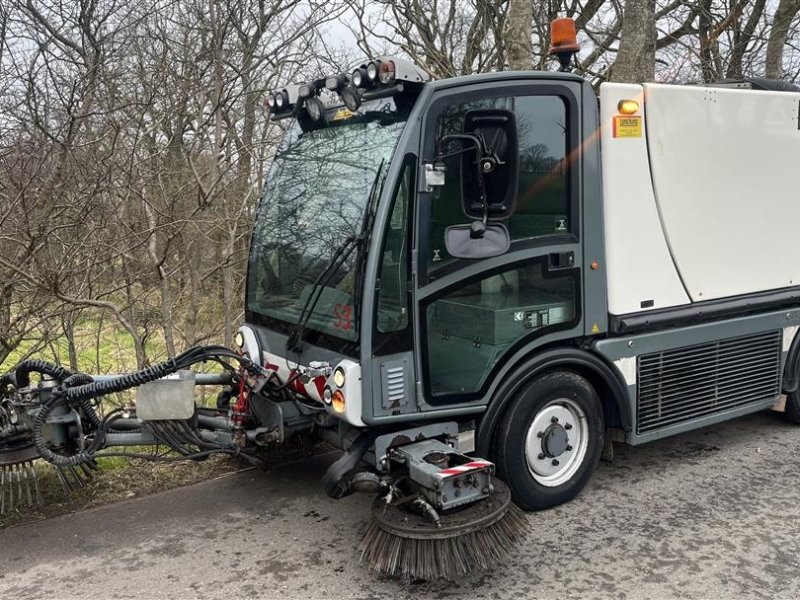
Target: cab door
472,316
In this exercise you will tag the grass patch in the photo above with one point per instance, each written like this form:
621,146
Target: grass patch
100,347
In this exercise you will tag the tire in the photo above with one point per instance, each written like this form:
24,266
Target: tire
792,410
549,440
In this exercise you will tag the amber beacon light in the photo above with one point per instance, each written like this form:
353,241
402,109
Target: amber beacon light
564,41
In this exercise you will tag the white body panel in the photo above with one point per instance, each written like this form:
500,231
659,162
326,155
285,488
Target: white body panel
725,168
705,203
638,263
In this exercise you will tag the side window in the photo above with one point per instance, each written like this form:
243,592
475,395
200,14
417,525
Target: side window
469,329
543,196
392,303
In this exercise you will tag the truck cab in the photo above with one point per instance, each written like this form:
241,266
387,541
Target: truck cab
428,252
429,330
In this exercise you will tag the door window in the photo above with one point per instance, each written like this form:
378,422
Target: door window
543,195
392,314
470,328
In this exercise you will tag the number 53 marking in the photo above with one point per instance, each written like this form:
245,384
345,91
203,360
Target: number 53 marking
343,314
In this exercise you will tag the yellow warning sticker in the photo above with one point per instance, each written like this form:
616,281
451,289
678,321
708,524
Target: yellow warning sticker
627,127
595,328
342,114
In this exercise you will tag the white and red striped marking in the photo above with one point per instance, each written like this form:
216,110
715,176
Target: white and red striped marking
470,466
286,370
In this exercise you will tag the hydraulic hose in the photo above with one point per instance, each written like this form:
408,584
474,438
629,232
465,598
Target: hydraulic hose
84,456
95,389
6,380
86,407
80,395
25,368
79,389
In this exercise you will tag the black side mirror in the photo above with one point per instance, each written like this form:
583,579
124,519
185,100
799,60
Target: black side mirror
496,163
489,177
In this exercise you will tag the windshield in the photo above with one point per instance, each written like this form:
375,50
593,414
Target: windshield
314,199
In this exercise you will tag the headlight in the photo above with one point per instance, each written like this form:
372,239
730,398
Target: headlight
327,395
238,340
337,401
338,377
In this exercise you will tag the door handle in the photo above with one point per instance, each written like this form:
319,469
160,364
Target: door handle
560,260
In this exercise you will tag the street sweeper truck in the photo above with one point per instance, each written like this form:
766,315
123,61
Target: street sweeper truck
469,286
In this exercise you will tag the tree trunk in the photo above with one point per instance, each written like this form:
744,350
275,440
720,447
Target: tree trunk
742,38
636,57
227,302
68,325
710,59
519,23
786,12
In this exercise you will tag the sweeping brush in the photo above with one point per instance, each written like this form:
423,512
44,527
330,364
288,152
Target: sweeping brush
477,537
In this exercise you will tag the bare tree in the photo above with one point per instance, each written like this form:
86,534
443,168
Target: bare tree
743,36
445,38
781,24
637,46
519,23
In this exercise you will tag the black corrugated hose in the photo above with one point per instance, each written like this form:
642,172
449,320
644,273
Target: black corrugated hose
80,389
25,368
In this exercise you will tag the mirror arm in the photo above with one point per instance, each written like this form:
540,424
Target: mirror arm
440,157
478,227
458,137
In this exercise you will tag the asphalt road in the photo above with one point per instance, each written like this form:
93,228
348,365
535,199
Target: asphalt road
710,514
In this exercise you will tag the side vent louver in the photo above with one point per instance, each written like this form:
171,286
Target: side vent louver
394,384
695,381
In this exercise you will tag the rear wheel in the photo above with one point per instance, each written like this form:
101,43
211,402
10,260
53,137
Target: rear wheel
550,440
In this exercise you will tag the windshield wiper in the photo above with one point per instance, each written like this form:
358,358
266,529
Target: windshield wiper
294,343
366,229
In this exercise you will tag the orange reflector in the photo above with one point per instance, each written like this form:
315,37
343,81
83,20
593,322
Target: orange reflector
563,36
628,107
338,401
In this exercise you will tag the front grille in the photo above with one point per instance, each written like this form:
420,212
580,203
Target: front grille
686,383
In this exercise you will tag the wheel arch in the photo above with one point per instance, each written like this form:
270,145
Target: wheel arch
791,370
602,376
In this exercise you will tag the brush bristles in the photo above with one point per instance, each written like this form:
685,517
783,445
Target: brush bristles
447,558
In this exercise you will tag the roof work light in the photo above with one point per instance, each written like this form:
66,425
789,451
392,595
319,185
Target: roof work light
377,78
372,70
350,97
386,72
359,77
